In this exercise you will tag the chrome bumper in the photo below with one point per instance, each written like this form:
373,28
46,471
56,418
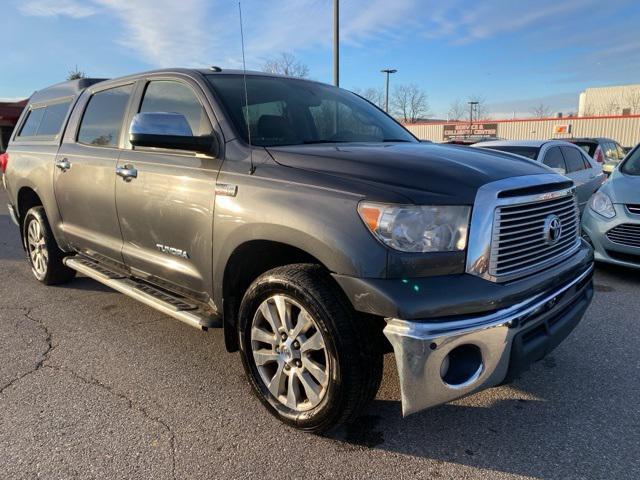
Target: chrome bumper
442,361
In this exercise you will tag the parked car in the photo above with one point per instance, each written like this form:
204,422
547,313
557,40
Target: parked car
564,158
612,222
605,151
311,226
470,140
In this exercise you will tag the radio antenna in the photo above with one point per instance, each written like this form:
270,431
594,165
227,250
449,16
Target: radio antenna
252,168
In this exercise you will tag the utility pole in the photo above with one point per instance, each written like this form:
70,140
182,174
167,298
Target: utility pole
386,95
336,43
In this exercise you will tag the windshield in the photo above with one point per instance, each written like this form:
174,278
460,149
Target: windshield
631,165
529,152
285,111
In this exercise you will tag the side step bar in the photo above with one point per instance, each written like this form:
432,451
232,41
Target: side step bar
174,306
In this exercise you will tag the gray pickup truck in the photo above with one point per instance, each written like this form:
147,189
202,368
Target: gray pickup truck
309,225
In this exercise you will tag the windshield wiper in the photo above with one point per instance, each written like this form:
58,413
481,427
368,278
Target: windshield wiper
396,140
308,142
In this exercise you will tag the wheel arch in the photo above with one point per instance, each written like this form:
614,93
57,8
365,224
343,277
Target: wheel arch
247,262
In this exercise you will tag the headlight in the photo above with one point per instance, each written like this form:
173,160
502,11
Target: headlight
413,228
602,204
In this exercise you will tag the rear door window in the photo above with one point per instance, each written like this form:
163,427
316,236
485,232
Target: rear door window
554,159
31,124
52,119
45,121
102,120
573,158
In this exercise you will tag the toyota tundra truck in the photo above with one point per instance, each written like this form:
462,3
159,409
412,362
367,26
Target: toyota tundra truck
309,225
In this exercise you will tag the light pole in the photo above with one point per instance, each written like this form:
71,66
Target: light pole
472,105
336,43
386,95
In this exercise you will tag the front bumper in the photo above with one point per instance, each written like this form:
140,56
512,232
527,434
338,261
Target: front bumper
440,361
596,227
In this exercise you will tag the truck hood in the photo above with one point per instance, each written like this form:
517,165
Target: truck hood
623,188
424,173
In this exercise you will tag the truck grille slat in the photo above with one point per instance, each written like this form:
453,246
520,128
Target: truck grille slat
506,226
519,242
627,234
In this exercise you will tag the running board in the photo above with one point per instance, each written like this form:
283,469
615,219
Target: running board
174,306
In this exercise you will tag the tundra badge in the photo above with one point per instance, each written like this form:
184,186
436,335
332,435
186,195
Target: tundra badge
172,251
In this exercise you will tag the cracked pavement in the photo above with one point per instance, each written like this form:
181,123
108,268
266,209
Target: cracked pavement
96,385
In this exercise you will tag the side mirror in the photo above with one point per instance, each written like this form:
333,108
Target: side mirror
171,131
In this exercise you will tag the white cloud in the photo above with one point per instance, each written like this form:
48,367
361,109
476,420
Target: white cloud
164,32
55,8
201,32
467,23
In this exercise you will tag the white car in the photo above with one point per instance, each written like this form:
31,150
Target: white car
563,157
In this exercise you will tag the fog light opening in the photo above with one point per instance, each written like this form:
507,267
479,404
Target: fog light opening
461,366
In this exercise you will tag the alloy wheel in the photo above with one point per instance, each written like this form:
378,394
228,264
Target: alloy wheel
290,353
37,248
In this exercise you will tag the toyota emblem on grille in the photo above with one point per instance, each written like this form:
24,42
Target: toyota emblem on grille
552,229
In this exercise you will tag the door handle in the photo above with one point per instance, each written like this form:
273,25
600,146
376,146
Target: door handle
63,164
127,172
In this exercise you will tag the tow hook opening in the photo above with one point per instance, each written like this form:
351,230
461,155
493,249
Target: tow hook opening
462,366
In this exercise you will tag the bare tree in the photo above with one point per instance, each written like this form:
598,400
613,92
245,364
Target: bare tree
457,110
410,103
374,95
612,107
541,110
632,101
75,74
286,64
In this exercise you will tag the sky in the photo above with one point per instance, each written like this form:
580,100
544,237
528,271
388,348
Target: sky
514,54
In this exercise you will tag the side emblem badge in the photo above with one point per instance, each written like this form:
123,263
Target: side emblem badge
176,252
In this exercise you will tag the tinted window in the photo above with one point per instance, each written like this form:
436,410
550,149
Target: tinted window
631,165
529,152
573,158
54,115
589,147
555,160
175,97
307,112
31,124
102,120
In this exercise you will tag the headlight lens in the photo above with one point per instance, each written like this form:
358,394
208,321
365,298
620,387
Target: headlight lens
413,228
602,204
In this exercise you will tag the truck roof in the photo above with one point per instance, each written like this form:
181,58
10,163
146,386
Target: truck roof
70,88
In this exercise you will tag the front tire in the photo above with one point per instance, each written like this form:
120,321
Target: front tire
43,252
311,360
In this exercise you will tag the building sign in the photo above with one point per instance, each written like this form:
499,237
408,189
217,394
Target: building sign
461,130
562,129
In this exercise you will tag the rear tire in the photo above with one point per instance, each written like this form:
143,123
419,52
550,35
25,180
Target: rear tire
295,317
43,252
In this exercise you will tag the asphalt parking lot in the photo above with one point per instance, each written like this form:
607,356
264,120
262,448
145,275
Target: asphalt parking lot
96,385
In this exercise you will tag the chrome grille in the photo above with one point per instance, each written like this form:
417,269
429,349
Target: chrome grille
634,209
627,234
520,245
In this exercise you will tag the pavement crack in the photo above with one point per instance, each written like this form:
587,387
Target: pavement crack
43,355
130,404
